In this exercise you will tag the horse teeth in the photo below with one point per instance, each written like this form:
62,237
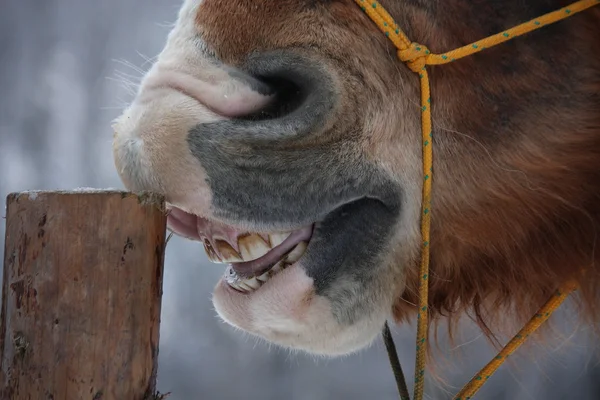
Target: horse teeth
236,286
252,282
244,285
264,277
277,238
211,253
296,252
248,247
252,247
275,269
228,253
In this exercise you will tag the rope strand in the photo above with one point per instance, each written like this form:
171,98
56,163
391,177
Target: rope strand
395,363
534,323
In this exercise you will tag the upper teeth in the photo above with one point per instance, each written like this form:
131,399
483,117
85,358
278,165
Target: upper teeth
296,252
228,253
251,247
277,238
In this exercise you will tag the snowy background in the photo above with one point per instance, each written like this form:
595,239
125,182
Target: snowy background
67,67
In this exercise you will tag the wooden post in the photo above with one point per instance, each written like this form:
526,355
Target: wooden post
81,295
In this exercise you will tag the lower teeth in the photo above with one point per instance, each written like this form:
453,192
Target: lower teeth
251,284
255,282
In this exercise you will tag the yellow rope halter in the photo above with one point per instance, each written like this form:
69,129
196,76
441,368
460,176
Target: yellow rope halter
417,57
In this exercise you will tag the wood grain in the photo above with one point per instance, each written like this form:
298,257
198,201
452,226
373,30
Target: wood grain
81,295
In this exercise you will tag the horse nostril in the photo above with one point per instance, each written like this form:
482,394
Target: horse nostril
289,96
305,95
303,87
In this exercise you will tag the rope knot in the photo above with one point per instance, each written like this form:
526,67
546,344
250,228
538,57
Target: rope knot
414,56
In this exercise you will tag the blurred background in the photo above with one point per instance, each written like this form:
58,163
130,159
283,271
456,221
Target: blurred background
67,68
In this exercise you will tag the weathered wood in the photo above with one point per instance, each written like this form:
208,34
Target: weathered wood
81,295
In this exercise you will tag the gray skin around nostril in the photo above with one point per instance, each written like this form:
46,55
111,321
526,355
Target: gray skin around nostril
260,172
317,98
253,167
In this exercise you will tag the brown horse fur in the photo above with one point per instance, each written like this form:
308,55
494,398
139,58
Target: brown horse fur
516,139
516,147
